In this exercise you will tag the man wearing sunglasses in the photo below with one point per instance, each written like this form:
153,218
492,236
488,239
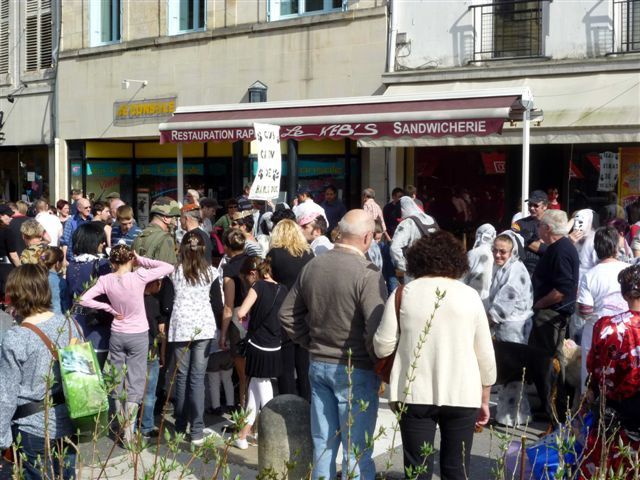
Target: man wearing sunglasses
83,215
528,228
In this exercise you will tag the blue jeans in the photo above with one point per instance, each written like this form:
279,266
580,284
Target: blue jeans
32,447
147,423
329,415
190,360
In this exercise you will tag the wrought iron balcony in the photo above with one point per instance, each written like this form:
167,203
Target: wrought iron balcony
626,26
508,29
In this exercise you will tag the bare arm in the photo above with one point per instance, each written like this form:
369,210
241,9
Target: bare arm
229,289
247,303
15,259
551,298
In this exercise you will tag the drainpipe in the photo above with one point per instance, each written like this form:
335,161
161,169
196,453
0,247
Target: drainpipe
392,26
55,162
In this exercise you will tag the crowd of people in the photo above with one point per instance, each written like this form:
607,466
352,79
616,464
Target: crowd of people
211,312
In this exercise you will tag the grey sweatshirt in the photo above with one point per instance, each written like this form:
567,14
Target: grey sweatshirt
25,363
335,305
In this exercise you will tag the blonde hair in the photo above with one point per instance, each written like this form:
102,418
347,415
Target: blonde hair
286,234
31,229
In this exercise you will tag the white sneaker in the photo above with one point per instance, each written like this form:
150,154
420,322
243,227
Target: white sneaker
241,443
207,434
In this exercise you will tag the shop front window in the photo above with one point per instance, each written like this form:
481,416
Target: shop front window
106,176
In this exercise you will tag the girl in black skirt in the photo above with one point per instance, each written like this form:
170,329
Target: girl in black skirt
263,359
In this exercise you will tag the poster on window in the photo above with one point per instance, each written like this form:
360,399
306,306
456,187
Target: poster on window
629,175
142,202
266,184
608,181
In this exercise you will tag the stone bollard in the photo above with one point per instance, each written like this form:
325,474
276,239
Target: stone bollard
284,426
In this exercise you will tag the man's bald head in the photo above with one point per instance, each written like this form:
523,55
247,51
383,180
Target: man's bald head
114,205
84,207
356,229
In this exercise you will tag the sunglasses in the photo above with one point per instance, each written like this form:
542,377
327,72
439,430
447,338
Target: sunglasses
500,251
534,205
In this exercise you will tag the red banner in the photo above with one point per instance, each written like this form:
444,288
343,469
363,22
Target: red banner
354,131
495,163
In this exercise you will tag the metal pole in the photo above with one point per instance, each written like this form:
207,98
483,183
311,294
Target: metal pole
292,173
525,159
180,174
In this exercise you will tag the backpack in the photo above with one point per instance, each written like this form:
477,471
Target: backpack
83,387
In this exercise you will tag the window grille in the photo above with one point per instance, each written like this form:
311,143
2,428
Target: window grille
626,22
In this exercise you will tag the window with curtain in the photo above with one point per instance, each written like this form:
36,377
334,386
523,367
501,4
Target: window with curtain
186,16
281,9
105,18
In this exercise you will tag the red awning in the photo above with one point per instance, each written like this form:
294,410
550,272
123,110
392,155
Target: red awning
455,114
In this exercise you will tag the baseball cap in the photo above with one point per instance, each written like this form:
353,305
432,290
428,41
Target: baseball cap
165,206
303,191
307,219
209,203
240,215
538,196
6,210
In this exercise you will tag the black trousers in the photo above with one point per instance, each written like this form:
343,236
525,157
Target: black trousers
457,424
294,359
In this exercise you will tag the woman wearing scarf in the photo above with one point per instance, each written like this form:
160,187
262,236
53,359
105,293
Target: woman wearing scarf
414,225
509,308
481,261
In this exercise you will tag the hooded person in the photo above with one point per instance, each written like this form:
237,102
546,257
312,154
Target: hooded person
510,301
581,227
510,308
481,261
414,225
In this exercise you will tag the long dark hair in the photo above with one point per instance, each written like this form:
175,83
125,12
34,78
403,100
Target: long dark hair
193,260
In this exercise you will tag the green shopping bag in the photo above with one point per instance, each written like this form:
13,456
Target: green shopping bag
82,384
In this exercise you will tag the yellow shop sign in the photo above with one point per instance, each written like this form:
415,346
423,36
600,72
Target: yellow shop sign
143,111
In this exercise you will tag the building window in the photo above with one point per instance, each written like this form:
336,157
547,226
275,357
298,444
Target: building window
186,16
38,35
4,36
281,9
105,17
508,29
626,28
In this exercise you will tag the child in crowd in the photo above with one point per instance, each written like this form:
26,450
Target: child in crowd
52,259
129,341
263,339
32,234
219,370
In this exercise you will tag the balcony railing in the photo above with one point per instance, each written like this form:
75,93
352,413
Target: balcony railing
626,26
508,29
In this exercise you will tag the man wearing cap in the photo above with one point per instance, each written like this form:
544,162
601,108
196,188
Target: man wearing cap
156,241
306,205
83,215
190,221
208,209
314,228
528,228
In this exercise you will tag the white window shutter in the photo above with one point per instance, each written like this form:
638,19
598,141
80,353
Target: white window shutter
38,35
4,36
173,16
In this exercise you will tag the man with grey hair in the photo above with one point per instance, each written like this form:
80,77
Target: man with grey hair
333,310
83,215
555,287
190,219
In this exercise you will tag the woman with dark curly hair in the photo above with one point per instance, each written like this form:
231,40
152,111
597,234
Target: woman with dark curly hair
455,366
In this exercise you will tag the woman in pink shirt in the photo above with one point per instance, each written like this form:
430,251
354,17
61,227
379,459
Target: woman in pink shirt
129,342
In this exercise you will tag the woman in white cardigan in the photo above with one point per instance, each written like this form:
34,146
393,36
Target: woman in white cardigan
455,367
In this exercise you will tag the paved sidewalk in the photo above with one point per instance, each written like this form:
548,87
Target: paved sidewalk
244,463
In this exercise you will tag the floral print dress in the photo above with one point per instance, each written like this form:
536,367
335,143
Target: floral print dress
614,365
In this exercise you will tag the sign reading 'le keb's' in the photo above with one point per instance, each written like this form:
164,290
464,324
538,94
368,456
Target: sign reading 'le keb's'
148,110
354,131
